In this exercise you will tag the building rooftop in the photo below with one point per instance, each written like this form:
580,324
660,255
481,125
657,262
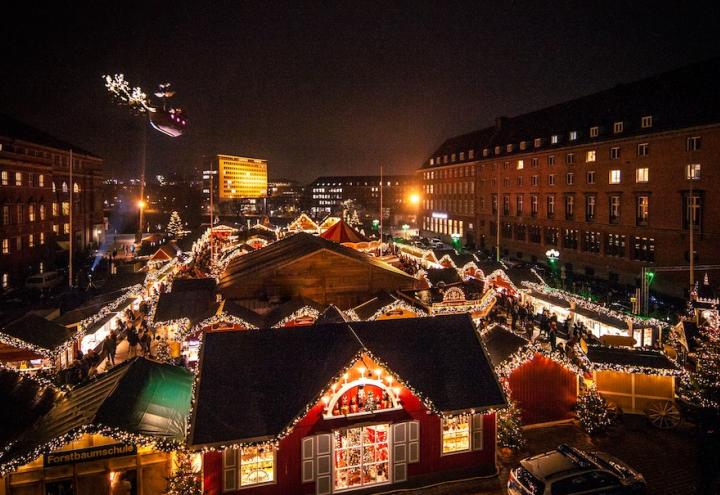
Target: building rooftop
14,129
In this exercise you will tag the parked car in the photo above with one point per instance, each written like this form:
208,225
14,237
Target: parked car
436,242
41,281
570,471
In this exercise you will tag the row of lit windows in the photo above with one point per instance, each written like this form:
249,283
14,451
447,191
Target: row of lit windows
452,173
32,241
445,226
457,206
450,188
34,212
693,143
34,180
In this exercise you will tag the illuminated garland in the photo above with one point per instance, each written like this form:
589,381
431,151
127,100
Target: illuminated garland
222,318
702,387
509,425
499,273
397,304
41,381
644,370
590,306
157,443
106,310
305,311
593,412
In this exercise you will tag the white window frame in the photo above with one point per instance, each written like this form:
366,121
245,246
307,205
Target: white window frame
642,175
618,127
235,468
612,174
646,121
594,131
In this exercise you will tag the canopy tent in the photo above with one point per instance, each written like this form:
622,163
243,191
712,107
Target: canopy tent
341,232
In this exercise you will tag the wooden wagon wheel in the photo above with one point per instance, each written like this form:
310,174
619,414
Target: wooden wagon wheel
663,414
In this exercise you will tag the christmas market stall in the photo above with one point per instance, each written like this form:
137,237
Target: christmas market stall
328,222
113,434
639,381
296,312
385,306
381,404
303,223
459,297
544,384
342,233
33,343
309,266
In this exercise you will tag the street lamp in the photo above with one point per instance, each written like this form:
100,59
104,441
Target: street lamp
456,241
414,199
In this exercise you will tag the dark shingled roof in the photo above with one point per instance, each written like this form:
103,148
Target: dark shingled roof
194,284
626,356
14,129
444,275
196,305
38,331
502,343
680,98
288,250
234,309
369,308
288,308
138,396
331,315
24,402
442,358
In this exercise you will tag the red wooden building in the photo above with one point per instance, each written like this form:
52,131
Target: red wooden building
544,387
365,406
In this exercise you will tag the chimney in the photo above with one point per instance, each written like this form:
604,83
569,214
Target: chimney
500,122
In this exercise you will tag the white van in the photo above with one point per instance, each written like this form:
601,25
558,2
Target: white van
41,281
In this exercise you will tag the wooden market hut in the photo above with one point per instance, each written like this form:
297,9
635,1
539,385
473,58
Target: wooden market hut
303,223
466,296
115,423
637,380
309,266
545,388
296,312
328,222
290,429
33,342
385,306
444,276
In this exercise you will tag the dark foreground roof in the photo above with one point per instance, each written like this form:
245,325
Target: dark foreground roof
234,309
194,284
331,315
140,397
39,332
625,356
442,358
23,401
275,315
502,343
369,308
195,305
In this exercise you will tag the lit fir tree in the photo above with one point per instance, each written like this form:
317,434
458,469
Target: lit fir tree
175,226
509,427
593,412
702,388
184,480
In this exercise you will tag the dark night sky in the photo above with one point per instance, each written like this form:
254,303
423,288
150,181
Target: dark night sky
337,88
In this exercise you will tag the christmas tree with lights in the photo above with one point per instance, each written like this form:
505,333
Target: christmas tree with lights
184,480
509,427
702,388
175,226
593,412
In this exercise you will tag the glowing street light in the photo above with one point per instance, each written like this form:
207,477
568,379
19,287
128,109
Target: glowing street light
141,204
414,199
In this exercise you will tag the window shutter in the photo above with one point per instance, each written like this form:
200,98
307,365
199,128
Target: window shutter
413,442
399,473
477,431
323,468
399,438
230,470
308,459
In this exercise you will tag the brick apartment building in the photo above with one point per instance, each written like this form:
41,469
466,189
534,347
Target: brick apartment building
35,193
609,180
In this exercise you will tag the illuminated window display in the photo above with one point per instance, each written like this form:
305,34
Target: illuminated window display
257,466
361,456
455,434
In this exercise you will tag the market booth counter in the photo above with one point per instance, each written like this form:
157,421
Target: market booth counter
33,343
369,406
639,381
114,434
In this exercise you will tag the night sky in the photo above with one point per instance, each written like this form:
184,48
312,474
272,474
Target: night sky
337,88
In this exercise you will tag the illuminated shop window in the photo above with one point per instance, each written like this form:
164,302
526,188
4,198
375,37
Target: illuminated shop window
248,466
361,456
456,434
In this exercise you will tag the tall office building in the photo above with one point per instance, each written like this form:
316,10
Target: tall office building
239,184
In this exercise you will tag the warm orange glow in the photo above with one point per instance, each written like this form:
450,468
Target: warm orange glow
141,204
414,199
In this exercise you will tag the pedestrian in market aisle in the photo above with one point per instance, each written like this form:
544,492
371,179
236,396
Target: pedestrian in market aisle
109,347
133,341
553,335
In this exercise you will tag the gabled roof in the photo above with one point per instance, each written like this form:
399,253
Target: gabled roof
501,343
288,308
342,232
193,284
234,309
194,305
441,358
331,315
138,397
38,332
24,401
288,250
369,308
303,222
166,252
444,275
603,356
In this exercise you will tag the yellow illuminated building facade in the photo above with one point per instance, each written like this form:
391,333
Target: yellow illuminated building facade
241,178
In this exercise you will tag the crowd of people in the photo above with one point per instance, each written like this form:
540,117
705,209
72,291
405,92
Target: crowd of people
132,327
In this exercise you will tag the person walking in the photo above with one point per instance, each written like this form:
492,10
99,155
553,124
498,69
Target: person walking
133,341
109,347
553,335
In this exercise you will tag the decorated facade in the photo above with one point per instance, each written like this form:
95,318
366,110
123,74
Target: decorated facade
370,410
